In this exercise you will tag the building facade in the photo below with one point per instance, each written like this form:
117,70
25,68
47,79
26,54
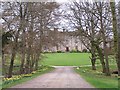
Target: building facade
63,41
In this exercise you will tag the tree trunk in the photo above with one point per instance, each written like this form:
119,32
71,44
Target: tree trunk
12,61
13,53
37,59
119,53
38,53
103,32
93,63
22,62
106,59
28,54
114,29
105,52
27,66
116,36
101,56
105,49
3,64
119,43
32,62
23,53
93,59
30,44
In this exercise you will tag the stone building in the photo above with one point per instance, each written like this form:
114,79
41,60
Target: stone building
63,41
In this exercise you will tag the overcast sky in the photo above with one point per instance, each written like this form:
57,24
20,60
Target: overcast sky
60,1
63,1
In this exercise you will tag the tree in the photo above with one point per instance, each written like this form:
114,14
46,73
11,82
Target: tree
114,29
119,39
6,38
92,20
28,22
103,32
86,22
11,21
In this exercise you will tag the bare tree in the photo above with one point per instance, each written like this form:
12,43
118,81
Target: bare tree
103,31
84,16
119,40
114,29
93,19
27,21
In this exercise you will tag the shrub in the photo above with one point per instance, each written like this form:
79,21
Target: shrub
59,51
84,50
78,51
75,51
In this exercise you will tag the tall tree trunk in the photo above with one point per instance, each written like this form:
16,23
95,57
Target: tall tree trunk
28,54
22,53
103,32
32,62
101,56
106,59
93,59
119,45
27,66
119,53
13,53
37,59
30,43
119,42
116,36
22,63
3,64
92,44
12,60
38,53
105,49
114,29
105,52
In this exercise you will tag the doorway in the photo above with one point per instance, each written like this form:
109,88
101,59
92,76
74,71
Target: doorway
67,49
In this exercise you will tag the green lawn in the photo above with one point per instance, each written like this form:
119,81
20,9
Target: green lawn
98,79
66,59
69,59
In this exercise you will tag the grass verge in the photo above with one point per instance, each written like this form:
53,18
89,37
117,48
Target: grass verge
98,79
24,79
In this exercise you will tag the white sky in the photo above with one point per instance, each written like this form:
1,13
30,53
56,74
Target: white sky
60,1
63,1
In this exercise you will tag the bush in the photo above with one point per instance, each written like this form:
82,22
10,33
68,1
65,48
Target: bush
78,51
75,51
59,51
84,50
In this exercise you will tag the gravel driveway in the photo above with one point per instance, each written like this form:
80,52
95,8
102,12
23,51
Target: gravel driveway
61,77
